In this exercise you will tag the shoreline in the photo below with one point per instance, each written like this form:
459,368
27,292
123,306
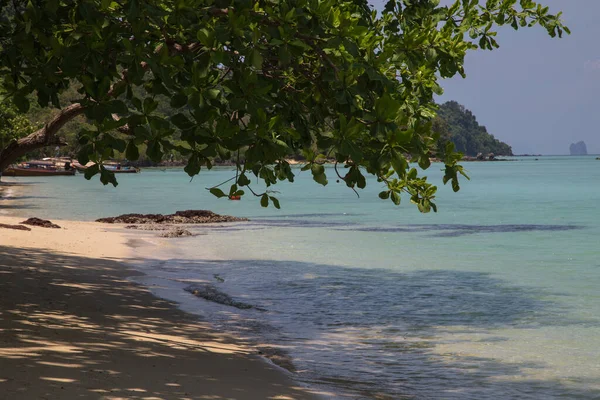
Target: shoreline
7,192
76,325
184,292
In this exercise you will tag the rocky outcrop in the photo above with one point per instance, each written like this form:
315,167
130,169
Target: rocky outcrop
44,223
180,217
578,149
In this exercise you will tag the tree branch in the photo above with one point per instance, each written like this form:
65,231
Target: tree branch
46,136
43,137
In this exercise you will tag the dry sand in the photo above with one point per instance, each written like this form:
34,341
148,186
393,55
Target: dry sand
73,327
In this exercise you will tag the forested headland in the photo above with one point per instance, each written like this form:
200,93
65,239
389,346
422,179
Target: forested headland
459,125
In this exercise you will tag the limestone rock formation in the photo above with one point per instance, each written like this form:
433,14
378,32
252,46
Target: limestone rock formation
578,149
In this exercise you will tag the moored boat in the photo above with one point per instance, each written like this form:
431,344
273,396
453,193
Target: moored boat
113,167
118,169
39,168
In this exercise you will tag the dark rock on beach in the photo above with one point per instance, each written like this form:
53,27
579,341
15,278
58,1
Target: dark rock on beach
16,227
178,232
44,223
180,217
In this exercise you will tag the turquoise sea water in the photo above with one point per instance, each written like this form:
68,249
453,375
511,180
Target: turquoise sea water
495,296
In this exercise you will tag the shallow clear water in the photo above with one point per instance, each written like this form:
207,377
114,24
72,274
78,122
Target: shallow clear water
495,296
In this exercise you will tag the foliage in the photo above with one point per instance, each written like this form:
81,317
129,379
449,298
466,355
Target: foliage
460,126
13,125
270,76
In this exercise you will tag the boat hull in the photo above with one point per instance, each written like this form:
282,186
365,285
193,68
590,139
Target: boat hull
36,172
124,171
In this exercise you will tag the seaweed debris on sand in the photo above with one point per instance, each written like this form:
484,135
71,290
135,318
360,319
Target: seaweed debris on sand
16,227
210,293
180,217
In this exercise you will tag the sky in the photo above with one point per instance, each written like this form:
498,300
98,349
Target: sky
536,93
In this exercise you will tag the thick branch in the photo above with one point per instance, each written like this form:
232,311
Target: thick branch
47,135
43,137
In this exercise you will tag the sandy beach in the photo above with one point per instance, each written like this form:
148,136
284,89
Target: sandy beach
73,326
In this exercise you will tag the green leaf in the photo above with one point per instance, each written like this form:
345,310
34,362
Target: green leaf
387,108
181,121
264,200
399,163
153,151
217,192
21,102
137,103
395,198
243,180
91,171
131,152
83,156
193,166
107,177
119,107
149,105
275,202
212,93
179,100
205,37
318,172
256,59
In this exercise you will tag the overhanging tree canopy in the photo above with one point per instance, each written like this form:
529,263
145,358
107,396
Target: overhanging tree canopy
271,77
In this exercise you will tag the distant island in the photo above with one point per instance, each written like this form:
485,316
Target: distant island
459,125
578,149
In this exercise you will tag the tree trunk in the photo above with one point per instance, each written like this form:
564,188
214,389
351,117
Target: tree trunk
43,137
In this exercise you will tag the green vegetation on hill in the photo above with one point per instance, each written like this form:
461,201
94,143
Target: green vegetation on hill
459,125
13,125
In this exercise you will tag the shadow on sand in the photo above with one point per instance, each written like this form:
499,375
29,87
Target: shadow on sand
75,327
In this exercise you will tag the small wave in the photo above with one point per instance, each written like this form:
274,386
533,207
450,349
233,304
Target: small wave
451,230
298,223
312,215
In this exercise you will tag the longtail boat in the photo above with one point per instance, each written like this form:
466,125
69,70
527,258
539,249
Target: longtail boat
39,168
119,169
113,167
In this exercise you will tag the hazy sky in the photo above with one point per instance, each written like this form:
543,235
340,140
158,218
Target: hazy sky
536,93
